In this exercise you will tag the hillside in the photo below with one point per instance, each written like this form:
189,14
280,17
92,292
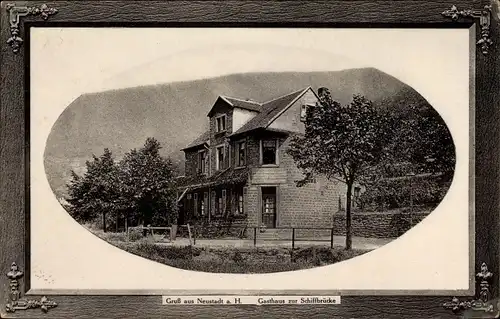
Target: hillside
175,113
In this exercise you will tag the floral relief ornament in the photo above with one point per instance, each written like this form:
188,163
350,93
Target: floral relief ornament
484,16
15,13
17,303
483,303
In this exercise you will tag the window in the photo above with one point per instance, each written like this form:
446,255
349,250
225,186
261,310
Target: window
219,208
239,198
269,205
202,162
221,203
303,113
269,152
220,123
219,163
204,204
241,154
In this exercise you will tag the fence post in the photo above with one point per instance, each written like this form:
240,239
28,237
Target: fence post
331,239
194,234
293,239
189,234
255,236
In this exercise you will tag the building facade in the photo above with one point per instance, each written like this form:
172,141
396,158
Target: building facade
239,170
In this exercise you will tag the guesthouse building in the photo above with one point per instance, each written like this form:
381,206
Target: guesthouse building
239,169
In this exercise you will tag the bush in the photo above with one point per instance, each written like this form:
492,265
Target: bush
324,255
115,236
237,257
396,193
400,223
237,260
135,234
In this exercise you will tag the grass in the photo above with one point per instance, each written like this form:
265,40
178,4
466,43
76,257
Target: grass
246,260
113,237
237,259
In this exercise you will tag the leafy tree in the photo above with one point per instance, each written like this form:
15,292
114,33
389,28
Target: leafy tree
139,188
340,141
421,142
95,193
147,184
435,152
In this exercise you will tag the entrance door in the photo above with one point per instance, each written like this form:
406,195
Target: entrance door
269,207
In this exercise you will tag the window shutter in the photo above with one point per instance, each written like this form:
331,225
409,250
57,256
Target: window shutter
206,163
223,208
198,167
245,198
232,202
213,199
205,200
195,204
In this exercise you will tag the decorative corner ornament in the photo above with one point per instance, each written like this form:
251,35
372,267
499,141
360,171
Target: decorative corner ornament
15,40
17,303
484,16
483,303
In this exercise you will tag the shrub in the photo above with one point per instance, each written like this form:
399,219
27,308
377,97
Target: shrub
398,193
115,236
237,260
324,255
400,223
135,234
237,257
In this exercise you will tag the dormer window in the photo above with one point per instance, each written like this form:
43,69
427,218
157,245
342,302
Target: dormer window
220,123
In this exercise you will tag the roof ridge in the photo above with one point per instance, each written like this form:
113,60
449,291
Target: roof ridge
225,99
285,95
242,100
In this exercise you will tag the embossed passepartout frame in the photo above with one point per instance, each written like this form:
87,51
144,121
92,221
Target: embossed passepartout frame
14,144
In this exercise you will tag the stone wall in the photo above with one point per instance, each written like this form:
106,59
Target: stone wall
378,225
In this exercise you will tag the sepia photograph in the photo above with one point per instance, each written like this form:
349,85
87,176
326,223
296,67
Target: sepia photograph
266,159
290,170
238,153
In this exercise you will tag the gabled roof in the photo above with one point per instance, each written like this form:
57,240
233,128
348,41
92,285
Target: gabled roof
267,113
200,140
270,110
235,102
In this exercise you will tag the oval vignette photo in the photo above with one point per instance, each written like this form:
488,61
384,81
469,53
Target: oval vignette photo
249,158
